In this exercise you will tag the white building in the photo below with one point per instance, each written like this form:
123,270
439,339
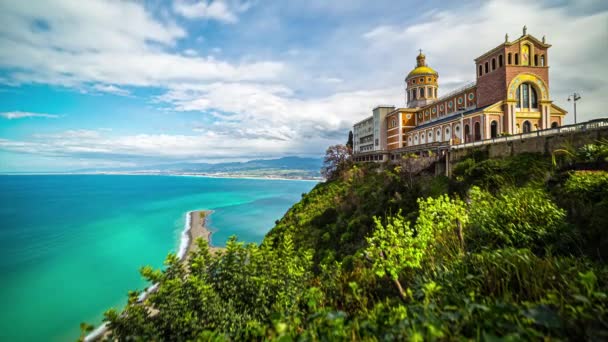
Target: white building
369,134
363,135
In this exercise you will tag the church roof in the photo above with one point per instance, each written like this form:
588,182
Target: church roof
422,70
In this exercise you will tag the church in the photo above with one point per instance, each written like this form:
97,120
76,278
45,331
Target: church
509,96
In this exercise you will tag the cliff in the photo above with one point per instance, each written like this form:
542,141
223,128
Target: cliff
512,248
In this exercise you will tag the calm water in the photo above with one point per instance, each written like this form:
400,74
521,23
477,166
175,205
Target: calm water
71,246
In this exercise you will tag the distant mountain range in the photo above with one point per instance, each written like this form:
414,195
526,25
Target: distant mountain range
286,167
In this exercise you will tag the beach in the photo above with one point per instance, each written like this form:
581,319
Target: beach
198,229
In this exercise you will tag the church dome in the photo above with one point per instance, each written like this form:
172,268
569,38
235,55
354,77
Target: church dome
421,67
422,70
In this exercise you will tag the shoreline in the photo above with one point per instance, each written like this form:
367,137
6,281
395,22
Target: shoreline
195,226
227,176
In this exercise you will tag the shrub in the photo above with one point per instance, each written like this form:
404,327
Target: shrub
516,217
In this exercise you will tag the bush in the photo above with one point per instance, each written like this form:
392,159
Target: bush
584,194
517,217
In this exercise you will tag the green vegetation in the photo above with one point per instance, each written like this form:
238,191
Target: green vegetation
509,248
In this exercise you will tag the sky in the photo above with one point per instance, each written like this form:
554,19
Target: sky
104,84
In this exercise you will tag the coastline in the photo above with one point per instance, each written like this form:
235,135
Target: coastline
201,175
195,227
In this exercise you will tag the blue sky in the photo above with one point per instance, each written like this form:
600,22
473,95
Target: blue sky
88,84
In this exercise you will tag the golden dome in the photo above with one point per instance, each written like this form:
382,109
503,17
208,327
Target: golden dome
421,67
422,70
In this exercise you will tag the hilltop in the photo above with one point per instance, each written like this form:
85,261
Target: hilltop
512,248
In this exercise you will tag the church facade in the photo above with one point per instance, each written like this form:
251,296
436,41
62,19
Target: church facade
509,96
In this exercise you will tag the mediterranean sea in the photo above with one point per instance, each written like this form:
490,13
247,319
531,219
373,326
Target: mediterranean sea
71,245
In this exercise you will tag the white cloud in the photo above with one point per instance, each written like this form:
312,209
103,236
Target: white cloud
21,115
61,42
214,9
112,89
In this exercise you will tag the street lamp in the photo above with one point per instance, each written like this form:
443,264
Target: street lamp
574,97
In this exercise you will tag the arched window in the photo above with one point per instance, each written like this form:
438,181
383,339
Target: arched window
509,58
516,59
477,131
535,60
500,61
421,92
430,139
486,68
438,134
526,96
435,92
542,60
393,123
493,64
480,70
467,133
447,134
494,129
554,124
413,94
527,127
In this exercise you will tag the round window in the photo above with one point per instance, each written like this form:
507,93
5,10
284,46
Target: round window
450,104
434,110
414,81
471,96
421,79
441,107
428,79
460,100
426,112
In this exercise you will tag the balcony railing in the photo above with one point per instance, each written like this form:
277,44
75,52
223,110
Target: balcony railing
581,127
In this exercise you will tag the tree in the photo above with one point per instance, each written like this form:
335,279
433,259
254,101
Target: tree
349,143
337,159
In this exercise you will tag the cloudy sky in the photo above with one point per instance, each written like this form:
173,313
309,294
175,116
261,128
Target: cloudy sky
121,83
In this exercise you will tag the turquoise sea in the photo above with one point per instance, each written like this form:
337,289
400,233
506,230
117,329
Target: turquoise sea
71,245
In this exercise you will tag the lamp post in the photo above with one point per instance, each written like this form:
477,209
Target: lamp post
574,97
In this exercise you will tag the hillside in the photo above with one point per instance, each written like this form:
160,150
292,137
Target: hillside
509,248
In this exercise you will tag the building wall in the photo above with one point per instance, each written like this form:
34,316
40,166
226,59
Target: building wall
362,131
491,87
393,132
380,126
463,100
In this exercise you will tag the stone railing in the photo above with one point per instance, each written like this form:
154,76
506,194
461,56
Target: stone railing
581,127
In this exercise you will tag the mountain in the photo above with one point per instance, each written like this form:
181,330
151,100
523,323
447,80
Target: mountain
286,167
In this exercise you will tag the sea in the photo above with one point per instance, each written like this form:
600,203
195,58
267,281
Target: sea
71,246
